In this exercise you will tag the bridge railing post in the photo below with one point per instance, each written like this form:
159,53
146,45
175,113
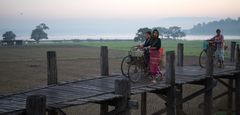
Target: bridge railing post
179,89
237,83
52,67
36,105
180,54
232,53
52,73
170,79
104,69
208,97
104,66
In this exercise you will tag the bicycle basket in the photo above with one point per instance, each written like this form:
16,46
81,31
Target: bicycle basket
136,53
205,45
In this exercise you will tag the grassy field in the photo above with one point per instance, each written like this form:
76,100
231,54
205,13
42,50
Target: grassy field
25,67
191,48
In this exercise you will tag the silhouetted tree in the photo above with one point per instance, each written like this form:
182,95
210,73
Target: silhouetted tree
140,35
39,32
9,35
175,32
171,32
163,32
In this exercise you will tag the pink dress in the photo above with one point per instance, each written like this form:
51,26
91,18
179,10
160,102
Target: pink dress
154,62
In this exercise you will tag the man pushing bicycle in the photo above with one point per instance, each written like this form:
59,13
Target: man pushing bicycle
218,42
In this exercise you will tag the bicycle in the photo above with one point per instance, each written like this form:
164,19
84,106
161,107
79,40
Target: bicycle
203,54
133,65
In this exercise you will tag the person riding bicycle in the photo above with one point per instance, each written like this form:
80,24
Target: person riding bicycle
145,46
218,41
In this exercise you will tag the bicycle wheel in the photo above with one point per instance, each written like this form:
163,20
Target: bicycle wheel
135,72
124,65
202,59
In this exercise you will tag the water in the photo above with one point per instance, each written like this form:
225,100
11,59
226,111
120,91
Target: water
117,36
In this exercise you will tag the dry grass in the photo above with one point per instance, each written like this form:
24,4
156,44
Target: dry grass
25,67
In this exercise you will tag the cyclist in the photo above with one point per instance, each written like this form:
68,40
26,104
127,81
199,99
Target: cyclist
218,41
145,46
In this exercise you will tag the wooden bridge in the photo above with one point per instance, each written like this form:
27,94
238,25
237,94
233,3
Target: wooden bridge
116,90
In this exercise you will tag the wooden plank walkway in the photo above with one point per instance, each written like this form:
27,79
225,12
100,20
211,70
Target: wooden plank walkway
100,89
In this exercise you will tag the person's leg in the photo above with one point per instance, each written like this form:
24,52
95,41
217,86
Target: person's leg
218,57
222,57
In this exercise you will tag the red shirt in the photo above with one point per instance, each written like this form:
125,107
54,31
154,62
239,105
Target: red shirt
218,40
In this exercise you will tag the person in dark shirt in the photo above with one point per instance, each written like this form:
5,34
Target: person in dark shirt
145,46
155,55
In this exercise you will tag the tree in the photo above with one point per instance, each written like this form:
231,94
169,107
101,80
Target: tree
9,35
162,31
140,35
39,32
228,26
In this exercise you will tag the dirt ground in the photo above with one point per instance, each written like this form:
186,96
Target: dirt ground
25,68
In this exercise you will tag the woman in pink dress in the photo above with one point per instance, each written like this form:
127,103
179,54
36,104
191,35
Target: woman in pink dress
155,56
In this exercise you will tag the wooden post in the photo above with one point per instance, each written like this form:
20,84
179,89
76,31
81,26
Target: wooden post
104,61
208,99
123,87
144,103
238,58
233,47
170,79
179,90
179,97
103,109
52,67
180,55
104,68
209,62
36,105
52,73
237,83
230,99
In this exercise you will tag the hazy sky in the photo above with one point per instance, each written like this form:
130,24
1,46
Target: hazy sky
90,14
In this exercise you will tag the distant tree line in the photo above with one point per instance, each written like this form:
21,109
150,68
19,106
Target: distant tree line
228,26
37,34
173,32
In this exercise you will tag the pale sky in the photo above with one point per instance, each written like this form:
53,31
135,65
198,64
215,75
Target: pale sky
126,9
113,10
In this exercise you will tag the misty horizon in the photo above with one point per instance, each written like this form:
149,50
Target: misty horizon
73,27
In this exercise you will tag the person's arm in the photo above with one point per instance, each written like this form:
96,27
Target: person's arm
156,45
212,39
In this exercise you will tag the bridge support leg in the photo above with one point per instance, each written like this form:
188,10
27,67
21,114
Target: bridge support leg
122,87
170,79
36,105
230,99
237,95
179,96
208,99
52,73
237,83
103,109
144,103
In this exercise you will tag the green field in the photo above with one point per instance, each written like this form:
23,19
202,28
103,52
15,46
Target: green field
191,48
